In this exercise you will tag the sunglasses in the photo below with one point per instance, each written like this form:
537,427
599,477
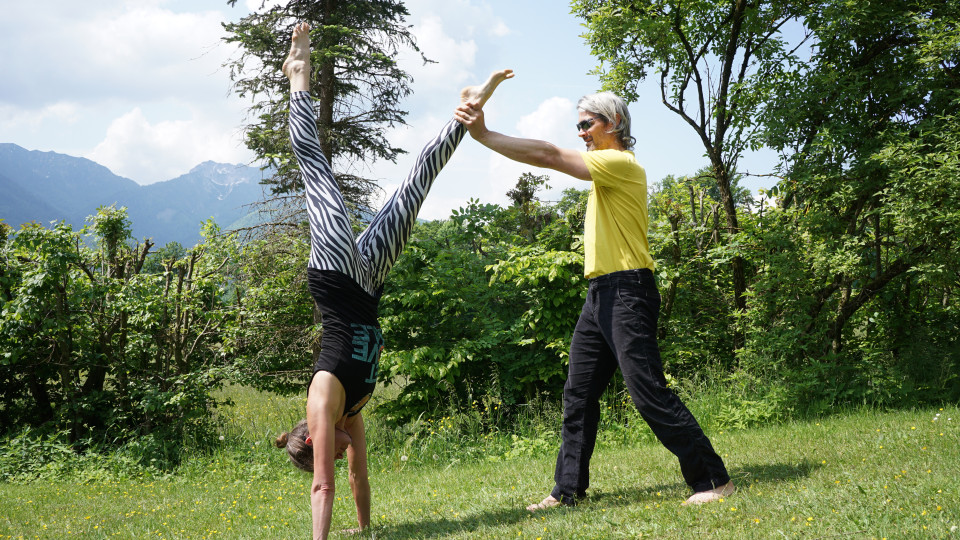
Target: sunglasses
587,124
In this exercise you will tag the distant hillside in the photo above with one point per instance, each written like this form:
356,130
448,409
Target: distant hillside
47,186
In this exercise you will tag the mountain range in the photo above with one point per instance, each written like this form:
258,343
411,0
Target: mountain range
46,187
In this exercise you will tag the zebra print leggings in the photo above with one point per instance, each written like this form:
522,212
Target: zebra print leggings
368,259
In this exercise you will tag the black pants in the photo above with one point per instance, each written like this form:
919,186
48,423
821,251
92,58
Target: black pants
618,328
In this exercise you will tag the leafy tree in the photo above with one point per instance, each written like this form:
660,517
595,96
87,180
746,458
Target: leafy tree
685,224
95,347
445,329
718,60
531,216
273,334
473,311
869,204
36,323
547,274
158,259
858,259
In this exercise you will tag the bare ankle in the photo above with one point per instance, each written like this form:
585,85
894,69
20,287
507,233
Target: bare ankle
292,68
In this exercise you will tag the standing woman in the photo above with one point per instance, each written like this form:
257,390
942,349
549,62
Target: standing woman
346,278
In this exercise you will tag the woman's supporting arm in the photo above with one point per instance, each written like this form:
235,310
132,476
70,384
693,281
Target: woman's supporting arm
325,405
357,460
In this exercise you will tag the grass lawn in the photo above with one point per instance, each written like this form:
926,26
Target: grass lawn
857,475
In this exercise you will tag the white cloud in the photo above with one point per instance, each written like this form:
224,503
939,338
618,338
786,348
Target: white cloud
13,119
153,50
500,29
458,35
550,121
452,59
111,49
147,153
463,17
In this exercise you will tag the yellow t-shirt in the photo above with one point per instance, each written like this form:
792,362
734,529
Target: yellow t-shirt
615,230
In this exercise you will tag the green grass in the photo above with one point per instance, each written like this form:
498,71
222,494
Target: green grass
862,474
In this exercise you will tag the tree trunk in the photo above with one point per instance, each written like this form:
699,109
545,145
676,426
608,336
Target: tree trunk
737,265
325,99
849,304
41,398
325,87
670,298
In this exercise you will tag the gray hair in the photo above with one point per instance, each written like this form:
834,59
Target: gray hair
608,106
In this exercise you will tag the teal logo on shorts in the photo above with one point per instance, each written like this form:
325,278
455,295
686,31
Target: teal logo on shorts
367,344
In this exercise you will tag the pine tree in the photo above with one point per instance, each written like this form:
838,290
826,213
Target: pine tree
356,83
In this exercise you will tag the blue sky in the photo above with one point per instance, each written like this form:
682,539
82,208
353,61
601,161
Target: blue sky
137,85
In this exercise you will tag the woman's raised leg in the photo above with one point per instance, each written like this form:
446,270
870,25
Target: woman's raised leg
332,245
381,243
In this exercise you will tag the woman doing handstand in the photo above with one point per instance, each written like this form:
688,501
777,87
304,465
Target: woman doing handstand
346,279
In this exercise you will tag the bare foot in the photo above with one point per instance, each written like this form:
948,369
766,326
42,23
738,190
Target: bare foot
297,65
479,94
549,502
712,495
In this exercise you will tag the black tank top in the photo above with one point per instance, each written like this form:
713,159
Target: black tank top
351,343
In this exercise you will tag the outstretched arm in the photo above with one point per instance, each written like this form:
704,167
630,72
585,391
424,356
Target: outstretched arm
530,151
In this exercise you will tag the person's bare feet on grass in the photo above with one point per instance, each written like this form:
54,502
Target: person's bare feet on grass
297,65
549,502
477,95
712,495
